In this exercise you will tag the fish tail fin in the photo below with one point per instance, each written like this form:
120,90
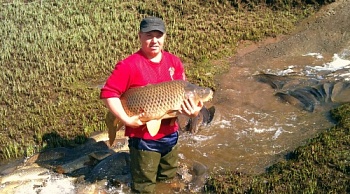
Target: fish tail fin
113,124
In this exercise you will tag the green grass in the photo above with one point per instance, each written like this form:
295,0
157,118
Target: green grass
54,54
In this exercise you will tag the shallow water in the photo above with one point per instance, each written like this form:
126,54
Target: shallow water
255,128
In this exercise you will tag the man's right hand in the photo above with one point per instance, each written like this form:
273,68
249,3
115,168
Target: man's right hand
134,121
117,109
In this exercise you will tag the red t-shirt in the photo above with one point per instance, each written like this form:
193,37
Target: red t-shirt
137,70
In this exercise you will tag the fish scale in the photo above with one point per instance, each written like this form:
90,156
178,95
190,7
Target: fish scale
155,101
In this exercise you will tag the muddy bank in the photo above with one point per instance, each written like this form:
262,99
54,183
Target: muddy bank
325,32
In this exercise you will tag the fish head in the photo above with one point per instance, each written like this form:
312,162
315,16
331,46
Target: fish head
198,93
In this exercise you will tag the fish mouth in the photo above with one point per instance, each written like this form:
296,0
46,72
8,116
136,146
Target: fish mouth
209,97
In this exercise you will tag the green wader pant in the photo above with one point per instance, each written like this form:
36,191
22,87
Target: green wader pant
147,167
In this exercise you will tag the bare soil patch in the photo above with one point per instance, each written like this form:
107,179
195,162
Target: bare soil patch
325,32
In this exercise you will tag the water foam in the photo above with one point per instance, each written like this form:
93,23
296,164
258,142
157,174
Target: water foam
58,186
337,64
316,55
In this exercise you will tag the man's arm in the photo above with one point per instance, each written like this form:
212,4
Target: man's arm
115,106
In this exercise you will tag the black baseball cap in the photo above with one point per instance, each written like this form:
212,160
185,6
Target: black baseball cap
152,23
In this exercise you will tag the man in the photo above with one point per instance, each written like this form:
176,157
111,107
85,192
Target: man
152,158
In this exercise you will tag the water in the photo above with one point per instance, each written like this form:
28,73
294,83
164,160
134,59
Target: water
256,128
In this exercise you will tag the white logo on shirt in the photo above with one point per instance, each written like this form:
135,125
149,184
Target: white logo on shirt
172,72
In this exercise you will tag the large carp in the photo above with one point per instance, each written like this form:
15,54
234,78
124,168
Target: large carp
156,102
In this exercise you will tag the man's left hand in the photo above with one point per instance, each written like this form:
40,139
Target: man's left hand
190,108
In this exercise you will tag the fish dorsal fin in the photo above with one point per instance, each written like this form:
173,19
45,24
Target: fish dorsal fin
153,126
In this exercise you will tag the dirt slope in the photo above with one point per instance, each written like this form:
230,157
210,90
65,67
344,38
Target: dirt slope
328,31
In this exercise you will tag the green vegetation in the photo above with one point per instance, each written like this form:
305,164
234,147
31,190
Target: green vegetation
55,54
320,166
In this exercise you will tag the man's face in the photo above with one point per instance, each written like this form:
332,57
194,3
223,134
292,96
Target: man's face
152,42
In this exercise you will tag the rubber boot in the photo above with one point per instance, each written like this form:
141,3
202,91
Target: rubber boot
144,168
168,164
